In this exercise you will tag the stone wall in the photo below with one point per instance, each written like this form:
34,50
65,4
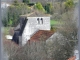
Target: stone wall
33,25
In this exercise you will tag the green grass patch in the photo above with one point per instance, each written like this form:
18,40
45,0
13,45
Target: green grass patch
53,22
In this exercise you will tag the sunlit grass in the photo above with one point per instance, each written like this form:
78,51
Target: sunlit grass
54,22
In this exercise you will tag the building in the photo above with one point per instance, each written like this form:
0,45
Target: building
30,25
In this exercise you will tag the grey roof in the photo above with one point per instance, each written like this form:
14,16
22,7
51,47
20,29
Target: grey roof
37,14
17,27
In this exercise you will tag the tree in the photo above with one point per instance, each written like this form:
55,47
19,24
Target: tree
49,8
58,48
10,22
54,48
13,13
26,1
69,28
15,2
69,4
40,7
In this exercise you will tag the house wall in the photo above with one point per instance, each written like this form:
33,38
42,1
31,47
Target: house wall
34,25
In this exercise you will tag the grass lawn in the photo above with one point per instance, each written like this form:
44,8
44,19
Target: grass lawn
53,22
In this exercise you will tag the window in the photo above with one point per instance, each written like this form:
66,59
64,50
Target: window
40,20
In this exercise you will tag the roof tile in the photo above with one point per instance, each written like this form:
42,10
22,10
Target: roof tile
41,35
